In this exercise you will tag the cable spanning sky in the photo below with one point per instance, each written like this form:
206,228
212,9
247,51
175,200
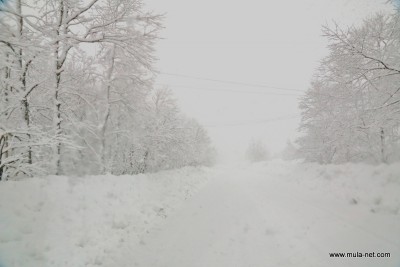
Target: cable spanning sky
231,63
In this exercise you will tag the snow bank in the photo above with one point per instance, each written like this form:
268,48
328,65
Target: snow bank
375,188
86,221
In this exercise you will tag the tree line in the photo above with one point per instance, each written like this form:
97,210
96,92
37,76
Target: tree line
351,112
77,92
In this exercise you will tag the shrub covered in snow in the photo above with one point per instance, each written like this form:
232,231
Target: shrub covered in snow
257,151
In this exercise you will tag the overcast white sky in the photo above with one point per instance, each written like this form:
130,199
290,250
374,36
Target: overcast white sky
274,43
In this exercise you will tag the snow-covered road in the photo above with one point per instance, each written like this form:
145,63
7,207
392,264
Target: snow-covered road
266,214
249,217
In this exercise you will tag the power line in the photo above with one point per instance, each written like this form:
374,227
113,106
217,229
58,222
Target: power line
228,90
232,82
251,122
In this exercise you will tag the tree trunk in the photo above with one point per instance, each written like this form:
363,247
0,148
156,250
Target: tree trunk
24,70
57,104
107,112
3,142
383,152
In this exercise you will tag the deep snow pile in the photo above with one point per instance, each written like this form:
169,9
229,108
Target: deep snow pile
86,221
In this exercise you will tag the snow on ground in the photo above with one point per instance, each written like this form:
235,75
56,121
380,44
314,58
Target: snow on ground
266,214
374,188
86,221
283,214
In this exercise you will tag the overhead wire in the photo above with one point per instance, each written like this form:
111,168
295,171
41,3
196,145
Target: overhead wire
233,124
228,90
231,82
252,122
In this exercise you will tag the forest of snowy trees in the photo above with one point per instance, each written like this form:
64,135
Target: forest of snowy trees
77,93
351,112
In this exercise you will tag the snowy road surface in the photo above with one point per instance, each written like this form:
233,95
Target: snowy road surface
247,218
267,214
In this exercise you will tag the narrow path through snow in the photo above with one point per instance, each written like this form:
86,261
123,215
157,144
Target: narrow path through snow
252,218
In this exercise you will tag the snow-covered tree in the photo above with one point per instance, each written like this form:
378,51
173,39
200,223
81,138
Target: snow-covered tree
76,92
351,111
165,139
290,152
257,151
21,60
